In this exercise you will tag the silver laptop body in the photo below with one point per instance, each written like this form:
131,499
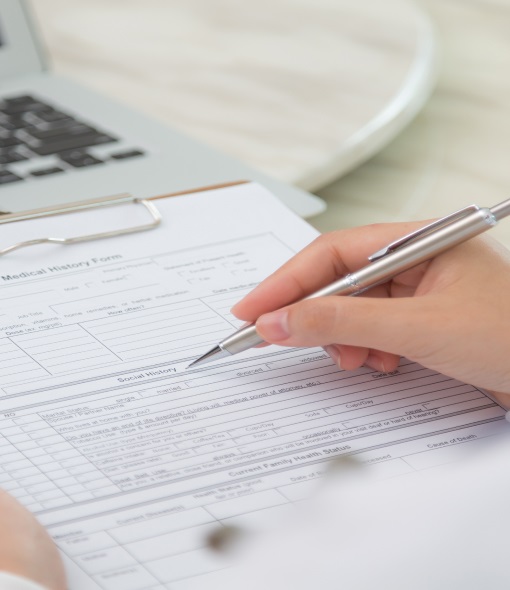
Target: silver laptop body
60,142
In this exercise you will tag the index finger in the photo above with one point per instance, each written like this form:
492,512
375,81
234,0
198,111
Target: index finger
326,259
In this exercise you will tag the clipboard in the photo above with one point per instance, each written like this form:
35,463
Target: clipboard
146,205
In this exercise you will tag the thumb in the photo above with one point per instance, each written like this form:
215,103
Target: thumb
391,325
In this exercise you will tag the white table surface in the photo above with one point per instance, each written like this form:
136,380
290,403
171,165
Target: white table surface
301,89
457,150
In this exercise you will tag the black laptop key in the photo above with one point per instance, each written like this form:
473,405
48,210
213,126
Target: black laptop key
60,124
7,176
126,154
8,141
52,116
13,123
19,123
10,156
66,143
47,171
16,100
55,132
21,108
80,159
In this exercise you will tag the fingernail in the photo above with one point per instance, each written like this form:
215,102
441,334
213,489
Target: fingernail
274,326
375,363
334,353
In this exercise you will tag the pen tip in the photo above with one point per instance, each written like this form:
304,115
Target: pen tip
214,354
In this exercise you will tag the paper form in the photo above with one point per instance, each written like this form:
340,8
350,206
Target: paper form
130,460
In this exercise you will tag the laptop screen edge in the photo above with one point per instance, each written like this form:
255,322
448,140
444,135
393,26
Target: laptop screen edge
20,52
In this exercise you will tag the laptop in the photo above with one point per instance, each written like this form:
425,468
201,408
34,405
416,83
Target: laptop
60,142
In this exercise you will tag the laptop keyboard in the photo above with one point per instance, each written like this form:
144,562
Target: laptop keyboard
48,141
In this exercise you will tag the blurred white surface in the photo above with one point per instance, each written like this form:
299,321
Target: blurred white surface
456,152
301,89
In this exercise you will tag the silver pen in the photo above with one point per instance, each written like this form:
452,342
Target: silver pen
397,257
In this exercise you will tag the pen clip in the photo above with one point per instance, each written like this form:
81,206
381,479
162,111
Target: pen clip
427,229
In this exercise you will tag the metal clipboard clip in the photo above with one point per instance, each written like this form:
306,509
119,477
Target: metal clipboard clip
423,231
82,206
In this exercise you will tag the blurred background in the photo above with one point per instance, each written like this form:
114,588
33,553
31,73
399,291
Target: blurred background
386,109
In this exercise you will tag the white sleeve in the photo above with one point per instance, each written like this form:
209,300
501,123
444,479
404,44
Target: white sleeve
12,582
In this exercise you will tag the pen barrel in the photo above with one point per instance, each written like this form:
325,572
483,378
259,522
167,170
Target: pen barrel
244,339
412,254
501,210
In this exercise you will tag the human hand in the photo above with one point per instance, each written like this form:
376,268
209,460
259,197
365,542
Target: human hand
451,314
26,549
